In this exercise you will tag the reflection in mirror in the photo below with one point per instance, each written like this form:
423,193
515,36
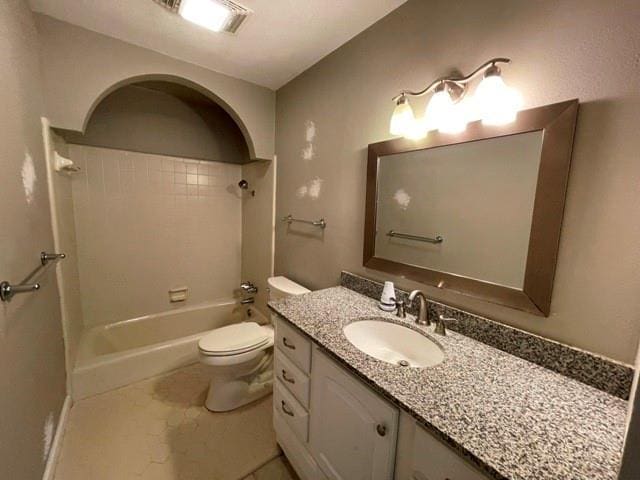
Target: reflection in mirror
463,209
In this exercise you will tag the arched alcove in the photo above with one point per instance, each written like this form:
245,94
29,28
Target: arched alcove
165,115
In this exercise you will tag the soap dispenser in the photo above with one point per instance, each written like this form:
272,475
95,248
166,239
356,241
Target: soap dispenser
388,298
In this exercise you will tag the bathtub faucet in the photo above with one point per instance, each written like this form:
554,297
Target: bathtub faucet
248,287
247,301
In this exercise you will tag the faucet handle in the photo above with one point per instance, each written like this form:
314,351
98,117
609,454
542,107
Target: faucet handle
400,309
248,287
441,328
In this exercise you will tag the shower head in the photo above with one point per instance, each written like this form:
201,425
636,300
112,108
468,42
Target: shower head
243,184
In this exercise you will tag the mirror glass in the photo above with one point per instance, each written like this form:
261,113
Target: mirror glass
464,209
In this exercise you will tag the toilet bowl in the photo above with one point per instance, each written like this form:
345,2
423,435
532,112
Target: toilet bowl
240,356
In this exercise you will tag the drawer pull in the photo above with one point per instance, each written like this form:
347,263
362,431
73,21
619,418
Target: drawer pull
286,410
286,378
381,429
287,344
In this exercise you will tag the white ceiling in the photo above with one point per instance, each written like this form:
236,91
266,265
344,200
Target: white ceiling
279,41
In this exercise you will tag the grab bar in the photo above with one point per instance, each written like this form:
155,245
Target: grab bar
7,290
316,223
393,233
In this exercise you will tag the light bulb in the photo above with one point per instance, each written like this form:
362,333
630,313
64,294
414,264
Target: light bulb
444,114
496,103
416,130
402,120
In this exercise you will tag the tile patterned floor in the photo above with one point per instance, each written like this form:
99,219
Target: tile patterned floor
276,469
158,429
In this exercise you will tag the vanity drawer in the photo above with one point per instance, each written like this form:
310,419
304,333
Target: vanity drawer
289,409
294,345
294,379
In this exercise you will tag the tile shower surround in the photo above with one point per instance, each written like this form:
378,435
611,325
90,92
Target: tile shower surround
604,374
140,172
162,222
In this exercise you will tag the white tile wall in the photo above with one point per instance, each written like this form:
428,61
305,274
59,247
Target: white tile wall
147,223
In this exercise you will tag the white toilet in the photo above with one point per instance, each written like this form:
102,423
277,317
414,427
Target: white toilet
241,356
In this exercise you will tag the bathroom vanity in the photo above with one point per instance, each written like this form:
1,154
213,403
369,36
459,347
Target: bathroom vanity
343,408
346,409
479,414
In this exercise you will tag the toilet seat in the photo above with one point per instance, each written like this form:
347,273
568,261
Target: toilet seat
236,339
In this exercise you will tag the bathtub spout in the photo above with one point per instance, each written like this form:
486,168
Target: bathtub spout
247,301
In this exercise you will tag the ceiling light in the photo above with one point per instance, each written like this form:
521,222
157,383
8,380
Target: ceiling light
206,13
216,15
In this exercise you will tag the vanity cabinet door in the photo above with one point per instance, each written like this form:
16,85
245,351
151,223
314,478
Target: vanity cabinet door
433,460
353,431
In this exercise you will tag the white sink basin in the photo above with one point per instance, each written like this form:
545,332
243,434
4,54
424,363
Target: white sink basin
393,343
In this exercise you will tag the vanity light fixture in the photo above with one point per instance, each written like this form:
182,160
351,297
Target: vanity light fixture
450,109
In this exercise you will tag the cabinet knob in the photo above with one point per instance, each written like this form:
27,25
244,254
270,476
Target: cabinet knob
287,344
381,429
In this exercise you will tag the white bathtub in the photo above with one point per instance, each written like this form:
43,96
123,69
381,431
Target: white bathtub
111,356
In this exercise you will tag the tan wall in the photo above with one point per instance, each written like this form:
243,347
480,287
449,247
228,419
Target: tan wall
257,228
152,121
560,50
81,65
32,375
148,223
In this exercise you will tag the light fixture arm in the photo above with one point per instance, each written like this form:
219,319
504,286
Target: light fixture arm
459,81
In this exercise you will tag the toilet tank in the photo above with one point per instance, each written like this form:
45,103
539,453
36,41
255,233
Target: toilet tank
280,287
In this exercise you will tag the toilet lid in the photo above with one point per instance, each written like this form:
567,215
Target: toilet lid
232,339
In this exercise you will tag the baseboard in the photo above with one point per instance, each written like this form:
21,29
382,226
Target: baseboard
54,453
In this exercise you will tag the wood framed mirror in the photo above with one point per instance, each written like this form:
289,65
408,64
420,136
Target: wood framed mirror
479,212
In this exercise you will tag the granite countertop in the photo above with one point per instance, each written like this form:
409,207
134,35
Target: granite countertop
515,420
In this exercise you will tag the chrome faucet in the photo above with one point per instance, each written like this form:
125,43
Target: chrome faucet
248,287
422,318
